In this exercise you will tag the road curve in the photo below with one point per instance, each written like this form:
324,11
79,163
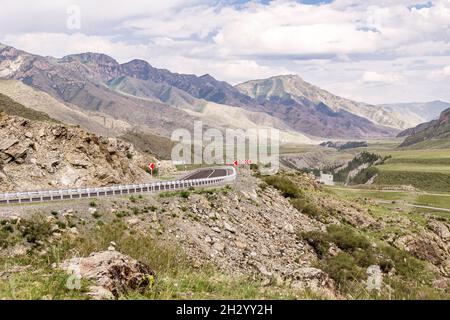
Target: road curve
199,178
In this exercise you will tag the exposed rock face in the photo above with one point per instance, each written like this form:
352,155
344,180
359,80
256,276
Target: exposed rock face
440,229
334,111
79,80
42,155
428,248
113,273
315,280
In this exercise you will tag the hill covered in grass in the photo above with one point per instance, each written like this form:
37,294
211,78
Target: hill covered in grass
13,108
432,133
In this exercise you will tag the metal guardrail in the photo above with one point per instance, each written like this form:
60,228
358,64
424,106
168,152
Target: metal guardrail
79,193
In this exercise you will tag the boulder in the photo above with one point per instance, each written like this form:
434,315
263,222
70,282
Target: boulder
440,229
111,271
313,279
7,143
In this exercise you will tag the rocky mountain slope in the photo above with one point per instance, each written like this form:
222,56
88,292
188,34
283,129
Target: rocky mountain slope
283,234
433,130
293,90
127,95
79,82
95,122
11,107
37,155
139,94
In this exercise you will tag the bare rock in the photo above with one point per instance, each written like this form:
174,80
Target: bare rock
424,249
113,273
313,279
5,144
229,227
440,229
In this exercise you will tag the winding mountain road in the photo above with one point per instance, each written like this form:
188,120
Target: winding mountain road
199,178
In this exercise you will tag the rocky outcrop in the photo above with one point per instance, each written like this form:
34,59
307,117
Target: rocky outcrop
112,272
41,155
315,280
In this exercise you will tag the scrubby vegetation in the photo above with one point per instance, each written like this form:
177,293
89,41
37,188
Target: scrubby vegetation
153,144
350,235
297,197
33,277
14,108
427,169
364,158
427,181
345,254
364,175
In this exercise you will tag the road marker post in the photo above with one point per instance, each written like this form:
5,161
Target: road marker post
151,166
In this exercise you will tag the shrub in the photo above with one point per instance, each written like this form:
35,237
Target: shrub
349,266
286,186
4,239
97,215
297,198
346,238
121,214
306,207
36,229
61,225
318,240
92,204
343,269
405,265
185,194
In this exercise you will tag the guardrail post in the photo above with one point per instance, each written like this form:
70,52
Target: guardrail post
23,197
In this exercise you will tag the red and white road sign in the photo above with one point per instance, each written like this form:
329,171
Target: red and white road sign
235,163
151,166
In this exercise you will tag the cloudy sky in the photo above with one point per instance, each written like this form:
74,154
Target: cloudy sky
377,51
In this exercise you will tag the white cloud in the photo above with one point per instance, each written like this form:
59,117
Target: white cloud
446,71
373,77
352,47
440,74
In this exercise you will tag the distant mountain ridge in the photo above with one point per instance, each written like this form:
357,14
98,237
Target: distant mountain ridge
139,94
433,130
311,109
419,112
292,89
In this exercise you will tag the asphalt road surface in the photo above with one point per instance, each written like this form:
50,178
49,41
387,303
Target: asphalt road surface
200,178
207,173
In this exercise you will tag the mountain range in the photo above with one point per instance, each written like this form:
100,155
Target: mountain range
419,112
435,133
98,93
